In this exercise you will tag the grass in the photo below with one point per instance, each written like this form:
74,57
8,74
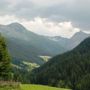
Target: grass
29,66
27,87
39,87
45,58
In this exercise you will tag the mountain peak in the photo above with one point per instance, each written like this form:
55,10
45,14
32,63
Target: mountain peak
80,34
17,26
15,23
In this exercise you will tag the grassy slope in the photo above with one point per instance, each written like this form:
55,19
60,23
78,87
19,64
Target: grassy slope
39,87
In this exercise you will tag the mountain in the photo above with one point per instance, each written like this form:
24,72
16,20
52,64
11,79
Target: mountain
71,69
70,43
26,46
77,39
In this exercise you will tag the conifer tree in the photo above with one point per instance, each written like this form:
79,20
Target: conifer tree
5,62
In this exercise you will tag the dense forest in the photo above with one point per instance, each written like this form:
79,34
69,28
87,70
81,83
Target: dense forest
70,70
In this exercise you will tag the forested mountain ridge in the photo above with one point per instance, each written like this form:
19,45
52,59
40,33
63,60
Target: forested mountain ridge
71,69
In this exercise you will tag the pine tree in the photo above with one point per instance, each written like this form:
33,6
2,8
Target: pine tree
5,62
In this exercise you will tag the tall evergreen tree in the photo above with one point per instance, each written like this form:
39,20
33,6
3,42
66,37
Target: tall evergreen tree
5,62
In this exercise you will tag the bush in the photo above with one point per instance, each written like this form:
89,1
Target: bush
9,85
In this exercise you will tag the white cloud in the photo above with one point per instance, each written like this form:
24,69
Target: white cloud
88,32
74,10
8,19
50,2
43,26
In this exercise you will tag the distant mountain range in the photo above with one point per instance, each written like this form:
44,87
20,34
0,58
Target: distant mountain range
28,46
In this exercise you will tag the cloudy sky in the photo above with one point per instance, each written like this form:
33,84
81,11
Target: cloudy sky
48,17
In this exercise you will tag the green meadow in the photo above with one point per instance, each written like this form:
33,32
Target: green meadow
39,87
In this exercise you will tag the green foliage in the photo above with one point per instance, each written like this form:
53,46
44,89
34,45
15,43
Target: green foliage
23,71
84,84
5,62
21,75
66,70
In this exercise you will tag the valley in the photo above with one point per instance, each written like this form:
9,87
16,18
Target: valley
44,45
42,62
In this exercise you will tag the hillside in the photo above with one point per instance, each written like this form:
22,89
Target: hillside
71,69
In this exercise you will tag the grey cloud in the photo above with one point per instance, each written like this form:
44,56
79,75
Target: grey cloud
3,6
77,12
